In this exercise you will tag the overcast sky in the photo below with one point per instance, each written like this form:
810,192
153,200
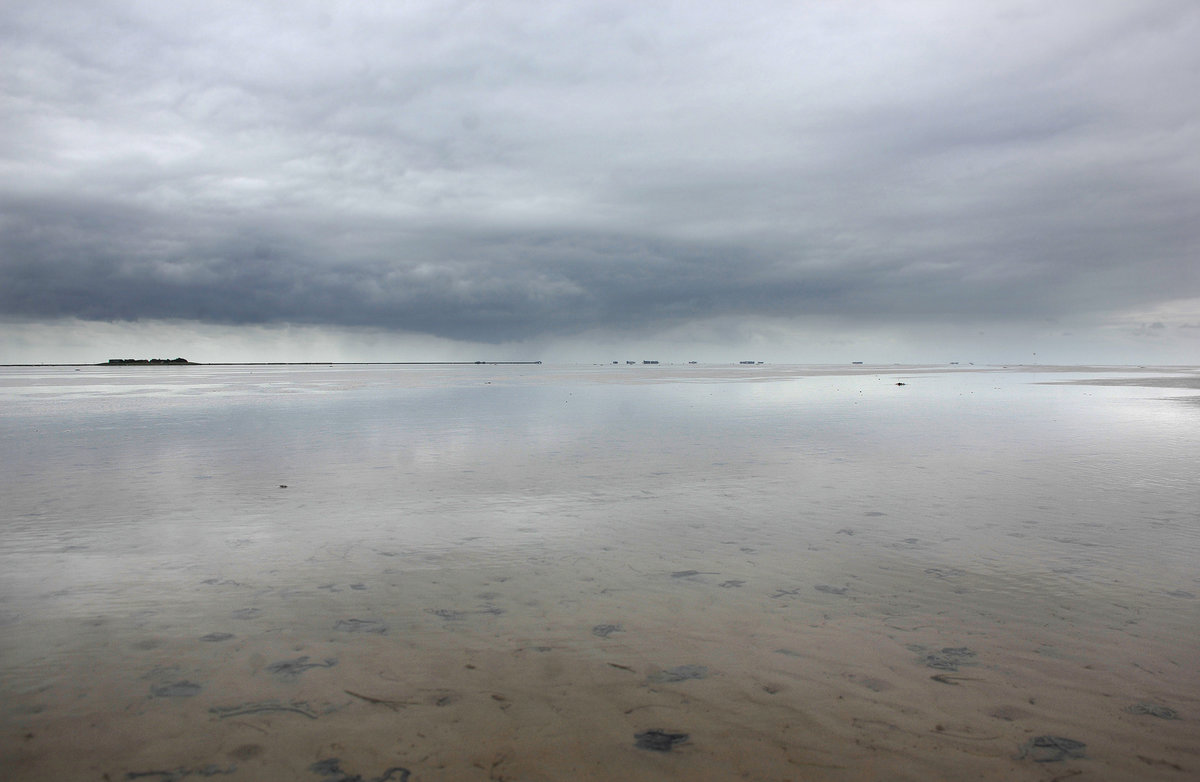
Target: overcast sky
802,181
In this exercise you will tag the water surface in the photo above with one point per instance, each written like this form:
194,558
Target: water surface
489,572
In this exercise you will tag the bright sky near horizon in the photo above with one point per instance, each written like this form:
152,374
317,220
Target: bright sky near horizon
1007,181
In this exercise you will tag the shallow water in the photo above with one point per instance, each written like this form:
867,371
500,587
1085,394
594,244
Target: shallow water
545,573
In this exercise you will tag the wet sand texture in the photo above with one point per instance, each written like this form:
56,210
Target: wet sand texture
586,574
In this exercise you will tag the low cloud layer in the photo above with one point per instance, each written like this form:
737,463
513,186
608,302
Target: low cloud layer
501,172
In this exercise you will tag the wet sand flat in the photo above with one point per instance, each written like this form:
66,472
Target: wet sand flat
594,573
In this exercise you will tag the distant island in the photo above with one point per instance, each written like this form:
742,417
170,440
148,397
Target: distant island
128,361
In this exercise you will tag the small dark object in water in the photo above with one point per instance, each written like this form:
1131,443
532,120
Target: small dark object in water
902,384
680,673
184,689
283,485
360,626
685,573
659,740
216,637
290,669
358,587
331,770
1154,710
831,590
604,631
1051,749
732,583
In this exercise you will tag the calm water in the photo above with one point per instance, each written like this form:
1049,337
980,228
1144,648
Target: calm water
490,572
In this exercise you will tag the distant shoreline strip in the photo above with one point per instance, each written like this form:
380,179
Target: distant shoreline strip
281,364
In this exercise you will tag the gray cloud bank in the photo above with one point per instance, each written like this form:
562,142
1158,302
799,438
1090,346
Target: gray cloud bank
495,172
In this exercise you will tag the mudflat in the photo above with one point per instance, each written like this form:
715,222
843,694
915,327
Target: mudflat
553,573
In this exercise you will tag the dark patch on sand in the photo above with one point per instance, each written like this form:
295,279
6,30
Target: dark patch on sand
360,626
264,707
290,669
454,615
1009,713
679,673
939,572
330,769
875,685
1153,710
183,689
246,751
210,770
659,740
215,637
948,659
1051,749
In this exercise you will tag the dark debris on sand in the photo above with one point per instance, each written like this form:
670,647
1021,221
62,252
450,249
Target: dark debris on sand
330,769
1051,749
290,669
659,740
265,707
183,689
1154,710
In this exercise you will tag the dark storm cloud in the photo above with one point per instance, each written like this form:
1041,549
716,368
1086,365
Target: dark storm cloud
492,172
